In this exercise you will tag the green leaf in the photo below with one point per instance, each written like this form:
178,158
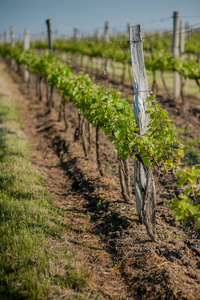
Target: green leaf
147,161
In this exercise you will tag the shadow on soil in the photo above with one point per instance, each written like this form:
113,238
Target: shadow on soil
105,224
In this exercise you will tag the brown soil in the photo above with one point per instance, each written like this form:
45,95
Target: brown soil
104,231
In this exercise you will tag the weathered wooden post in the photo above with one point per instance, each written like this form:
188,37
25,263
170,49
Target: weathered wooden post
106,40
76,38
49,31
12,36
50,42
187,31
97,36
26,39
145,193
75,35
106,32
12,43
26,47
182,53
175,52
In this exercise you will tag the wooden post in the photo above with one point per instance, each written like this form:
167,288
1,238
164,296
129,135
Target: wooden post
12,36
145,193
26,39
48,22
98,59
106,40
176,53
50,42
187,33
106,32
182,53
76,35
12,43
152,33
26,47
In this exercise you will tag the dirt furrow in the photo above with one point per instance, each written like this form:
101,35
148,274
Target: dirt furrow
102,229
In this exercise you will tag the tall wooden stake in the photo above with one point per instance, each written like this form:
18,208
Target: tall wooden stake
145,193
50,42
12,43
182,53
26,47
12,36
26,39
77,35
48,22
106,32
187,33
175,51
76,38
106,39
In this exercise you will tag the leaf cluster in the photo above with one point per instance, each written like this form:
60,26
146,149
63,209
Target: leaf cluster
158,147
187,203
158,60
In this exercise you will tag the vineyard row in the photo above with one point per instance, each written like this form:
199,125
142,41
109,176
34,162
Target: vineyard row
106,109
159,60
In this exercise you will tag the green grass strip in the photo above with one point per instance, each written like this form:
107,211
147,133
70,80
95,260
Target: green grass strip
35,262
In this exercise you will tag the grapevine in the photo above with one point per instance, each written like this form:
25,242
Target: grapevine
159,60
106,109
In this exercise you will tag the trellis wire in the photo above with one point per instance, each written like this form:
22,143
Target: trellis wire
157,36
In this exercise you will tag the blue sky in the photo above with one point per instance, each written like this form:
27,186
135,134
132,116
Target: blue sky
87,15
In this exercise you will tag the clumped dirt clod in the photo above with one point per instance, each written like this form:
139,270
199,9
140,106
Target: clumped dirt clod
103,230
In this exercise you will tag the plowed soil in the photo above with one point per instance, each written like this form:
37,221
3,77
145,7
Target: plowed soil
101,228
